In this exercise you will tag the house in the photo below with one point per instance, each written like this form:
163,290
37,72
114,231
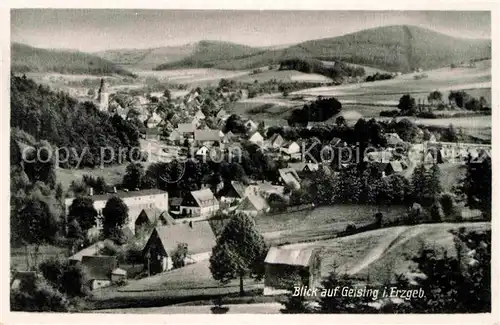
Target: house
91,250
153,120
257,139
221,114
378,156
207,137
234,191
393,139
201,203
98,269
175,136
251,126
174,204
291,149
197,236
276,141
289,177
285,268
253,205
151,217
199,115
228,137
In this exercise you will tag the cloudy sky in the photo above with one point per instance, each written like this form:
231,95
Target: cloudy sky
98,29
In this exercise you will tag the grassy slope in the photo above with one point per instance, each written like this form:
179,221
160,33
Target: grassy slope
393,48
25,58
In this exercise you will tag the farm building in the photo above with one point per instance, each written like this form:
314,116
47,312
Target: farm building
199,115
253,205
227,137
393,139
198,236
118,275
289,177
393,167
175,136
201,203
202,152
256,138
99,270
174,204
285,268
234,191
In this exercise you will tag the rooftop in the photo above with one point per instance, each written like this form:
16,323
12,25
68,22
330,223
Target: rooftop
298,257
197,235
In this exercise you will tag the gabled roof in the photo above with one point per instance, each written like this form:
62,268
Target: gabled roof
123,194
204,197
174,135
297,257
197,235
256,136
207,135
253,203
396,166
289,176
235,188
301,166
175,201
393,139
99,267
221,113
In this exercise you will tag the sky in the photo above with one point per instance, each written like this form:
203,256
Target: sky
92,30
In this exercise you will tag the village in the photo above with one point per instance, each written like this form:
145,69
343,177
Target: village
224,178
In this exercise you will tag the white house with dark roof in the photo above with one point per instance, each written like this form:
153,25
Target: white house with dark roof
275,141
251,126
135,201
198,237
234,191
201,203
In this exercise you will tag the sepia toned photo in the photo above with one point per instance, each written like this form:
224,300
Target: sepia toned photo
250,161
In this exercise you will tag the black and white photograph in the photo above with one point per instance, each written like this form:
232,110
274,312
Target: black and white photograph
216,161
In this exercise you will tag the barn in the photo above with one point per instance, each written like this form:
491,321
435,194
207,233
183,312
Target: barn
286,268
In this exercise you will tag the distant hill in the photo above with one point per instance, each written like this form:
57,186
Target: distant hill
147,58
393,48
26,58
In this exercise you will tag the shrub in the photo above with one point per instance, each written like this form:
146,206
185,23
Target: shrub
391,113
350,229
43,297
426,115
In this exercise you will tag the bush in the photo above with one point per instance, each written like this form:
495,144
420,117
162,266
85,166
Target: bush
43,297
350,229
426,115
392,113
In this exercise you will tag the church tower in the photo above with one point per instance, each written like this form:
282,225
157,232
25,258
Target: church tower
103,96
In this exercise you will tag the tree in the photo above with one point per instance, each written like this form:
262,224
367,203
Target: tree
35,225
240,251
449,205
340,121
433,184
450,134
407,105
477,184
134,173
167,94
179,255
115,215
459,97
435,97
436,211
83,212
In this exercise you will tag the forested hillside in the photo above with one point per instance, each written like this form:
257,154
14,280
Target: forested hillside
79,129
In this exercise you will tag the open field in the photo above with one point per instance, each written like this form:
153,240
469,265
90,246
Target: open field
18,256
191,76
320,222
112,174
444,79
380,254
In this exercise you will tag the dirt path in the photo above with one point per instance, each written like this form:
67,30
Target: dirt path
258,308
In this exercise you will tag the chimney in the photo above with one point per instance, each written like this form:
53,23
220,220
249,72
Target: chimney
91,191
114,189
190,224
